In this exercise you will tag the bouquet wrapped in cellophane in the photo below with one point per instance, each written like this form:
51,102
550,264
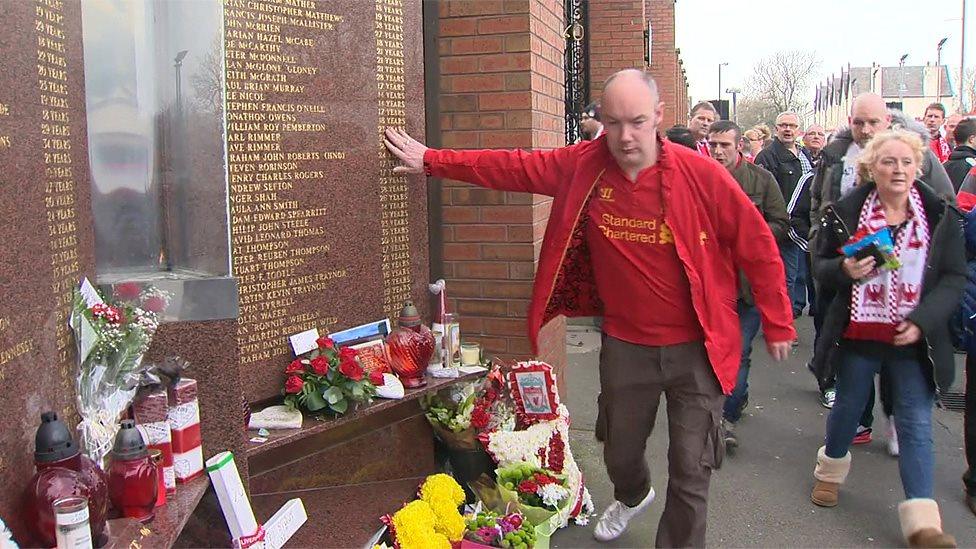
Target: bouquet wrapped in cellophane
111,339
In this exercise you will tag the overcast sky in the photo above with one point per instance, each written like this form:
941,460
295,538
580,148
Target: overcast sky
741,32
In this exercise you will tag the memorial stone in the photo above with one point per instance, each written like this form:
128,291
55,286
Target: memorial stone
323,235
45,224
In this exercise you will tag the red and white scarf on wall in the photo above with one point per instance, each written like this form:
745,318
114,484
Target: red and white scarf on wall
881,302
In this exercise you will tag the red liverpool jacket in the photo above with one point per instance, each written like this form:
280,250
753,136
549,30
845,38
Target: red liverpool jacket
715,225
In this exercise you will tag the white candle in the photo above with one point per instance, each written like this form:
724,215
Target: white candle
470,354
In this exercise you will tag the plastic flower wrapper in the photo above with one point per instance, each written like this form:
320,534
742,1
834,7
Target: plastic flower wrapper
538,493
111,339
6,538
493,530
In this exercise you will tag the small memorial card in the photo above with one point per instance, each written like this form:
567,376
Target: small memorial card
89,293
392,388
304,342
88,339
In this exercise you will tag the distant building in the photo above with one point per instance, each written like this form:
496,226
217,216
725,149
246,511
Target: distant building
909,89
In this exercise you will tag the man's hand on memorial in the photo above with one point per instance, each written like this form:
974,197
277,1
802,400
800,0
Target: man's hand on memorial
407,149
779,350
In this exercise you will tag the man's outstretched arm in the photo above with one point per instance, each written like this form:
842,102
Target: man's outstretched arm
540,172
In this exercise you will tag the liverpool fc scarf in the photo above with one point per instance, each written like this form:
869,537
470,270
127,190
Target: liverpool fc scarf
880,302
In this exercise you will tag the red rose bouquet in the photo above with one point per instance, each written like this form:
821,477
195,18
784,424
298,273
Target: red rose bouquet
328,379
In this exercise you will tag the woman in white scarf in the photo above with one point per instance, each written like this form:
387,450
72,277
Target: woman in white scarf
889,318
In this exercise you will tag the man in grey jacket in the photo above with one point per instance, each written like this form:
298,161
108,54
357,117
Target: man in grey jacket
837,176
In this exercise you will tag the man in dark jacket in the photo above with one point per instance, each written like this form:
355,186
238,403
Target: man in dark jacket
789,162
963,158
837,174
762,190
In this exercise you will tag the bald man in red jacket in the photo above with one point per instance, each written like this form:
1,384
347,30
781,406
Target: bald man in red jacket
648,235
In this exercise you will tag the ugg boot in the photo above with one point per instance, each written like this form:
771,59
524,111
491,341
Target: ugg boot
830,473
921,524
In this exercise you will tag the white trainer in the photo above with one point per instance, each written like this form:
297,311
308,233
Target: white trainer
892,436
613,521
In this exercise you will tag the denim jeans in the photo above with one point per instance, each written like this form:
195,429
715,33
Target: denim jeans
749,326
803,290
791,253
914,396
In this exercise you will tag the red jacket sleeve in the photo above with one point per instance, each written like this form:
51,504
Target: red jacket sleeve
539,172
754,250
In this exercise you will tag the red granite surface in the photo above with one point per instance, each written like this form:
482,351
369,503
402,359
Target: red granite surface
344,61
34,376
342,516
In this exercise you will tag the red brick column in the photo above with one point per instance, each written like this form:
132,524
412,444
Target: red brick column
664,60
501,71
616,30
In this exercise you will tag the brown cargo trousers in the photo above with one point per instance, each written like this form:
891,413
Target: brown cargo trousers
632,378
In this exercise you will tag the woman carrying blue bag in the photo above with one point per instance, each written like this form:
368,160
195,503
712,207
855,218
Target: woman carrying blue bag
890,313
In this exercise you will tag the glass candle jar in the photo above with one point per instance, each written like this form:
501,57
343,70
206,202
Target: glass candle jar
470,354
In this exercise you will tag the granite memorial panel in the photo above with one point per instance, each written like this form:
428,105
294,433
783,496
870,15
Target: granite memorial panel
323,235
45,224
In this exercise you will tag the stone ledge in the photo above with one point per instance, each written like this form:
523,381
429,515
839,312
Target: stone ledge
168,523
316,434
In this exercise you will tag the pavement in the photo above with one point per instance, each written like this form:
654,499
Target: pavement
760,496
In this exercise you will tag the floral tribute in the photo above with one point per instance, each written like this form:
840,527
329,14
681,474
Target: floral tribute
461,412
111,338
433,521
509,531
541,443
487,414
328,379
534,486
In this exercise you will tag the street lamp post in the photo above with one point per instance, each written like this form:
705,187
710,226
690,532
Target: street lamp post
901,83
735,109
938,68
178,64
720,65
962,61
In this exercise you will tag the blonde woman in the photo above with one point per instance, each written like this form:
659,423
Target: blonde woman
755,141
890,319
765,133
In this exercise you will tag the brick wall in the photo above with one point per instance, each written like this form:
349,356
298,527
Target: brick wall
501,73
616,30
664,60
